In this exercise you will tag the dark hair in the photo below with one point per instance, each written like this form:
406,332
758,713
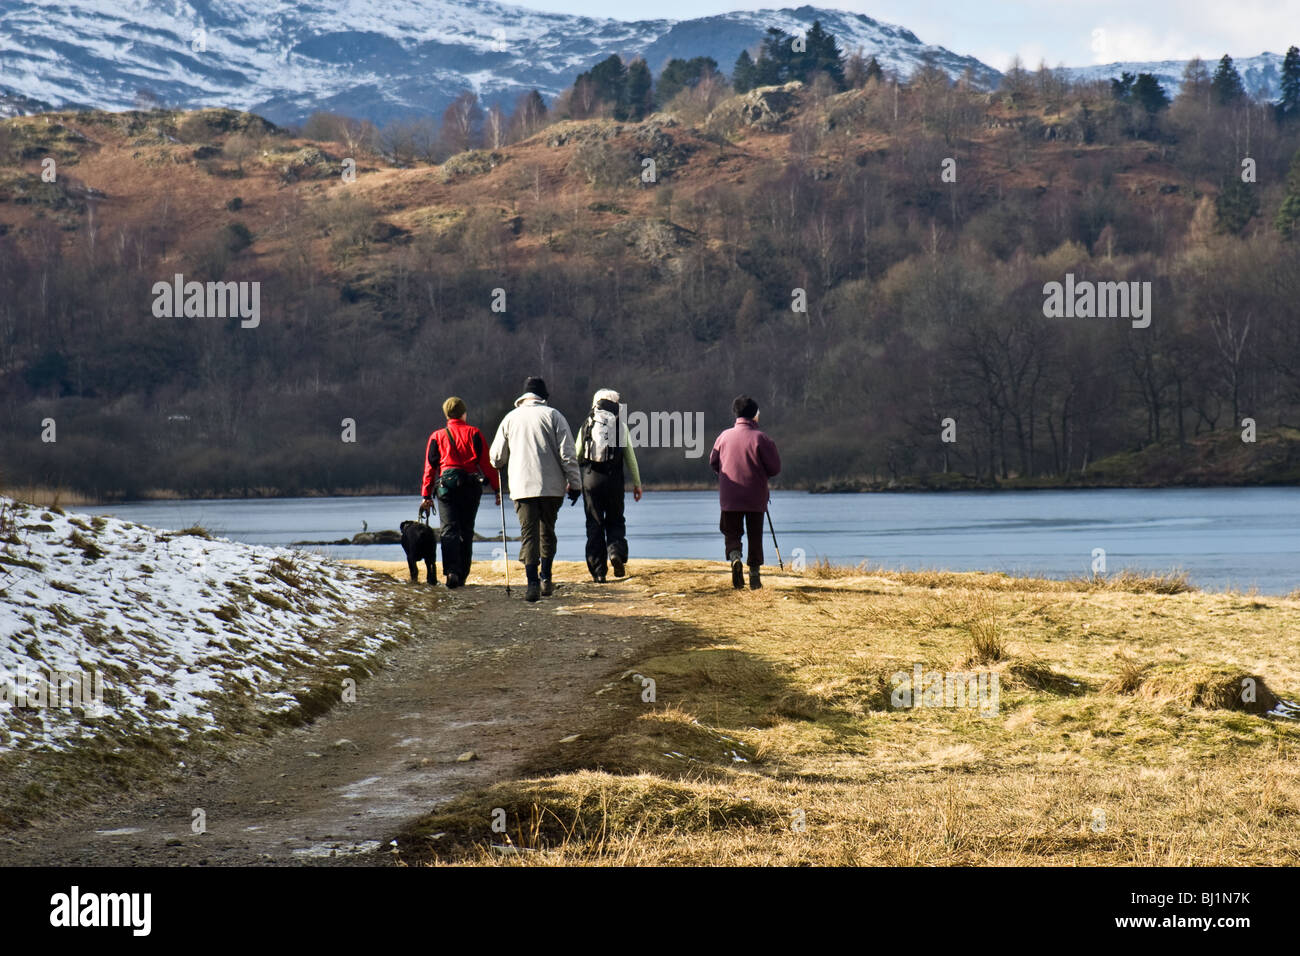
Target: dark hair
744,407
537,386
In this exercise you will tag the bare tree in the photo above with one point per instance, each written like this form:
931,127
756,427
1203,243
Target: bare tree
240,146
495,127
462,123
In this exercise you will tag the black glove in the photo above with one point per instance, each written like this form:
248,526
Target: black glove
574,495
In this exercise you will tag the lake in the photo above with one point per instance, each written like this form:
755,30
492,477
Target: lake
1223,537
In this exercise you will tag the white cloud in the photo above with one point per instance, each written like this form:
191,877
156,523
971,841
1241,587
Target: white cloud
1129,41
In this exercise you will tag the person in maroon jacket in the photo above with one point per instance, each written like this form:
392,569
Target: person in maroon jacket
453,461
744,458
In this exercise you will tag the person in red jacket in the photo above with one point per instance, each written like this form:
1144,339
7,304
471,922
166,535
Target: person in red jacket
455,466
744,458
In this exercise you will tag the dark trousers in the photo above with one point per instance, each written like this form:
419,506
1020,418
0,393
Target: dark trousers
751,523
537,531
602,499
456,514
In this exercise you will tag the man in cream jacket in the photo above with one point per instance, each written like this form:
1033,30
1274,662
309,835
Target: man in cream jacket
534,446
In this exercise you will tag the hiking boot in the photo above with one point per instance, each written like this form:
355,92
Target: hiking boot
547,587
754,581
534,592
617,565
737,571
453,580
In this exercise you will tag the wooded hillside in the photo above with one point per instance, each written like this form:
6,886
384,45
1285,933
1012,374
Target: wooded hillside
666,256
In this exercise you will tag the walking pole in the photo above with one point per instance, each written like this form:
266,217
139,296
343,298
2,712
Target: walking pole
773,530
505,549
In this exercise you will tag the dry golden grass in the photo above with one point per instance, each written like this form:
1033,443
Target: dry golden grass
45,497
1122,734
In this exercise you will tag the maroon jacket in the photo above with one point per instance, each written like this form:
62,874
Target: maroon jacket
744,458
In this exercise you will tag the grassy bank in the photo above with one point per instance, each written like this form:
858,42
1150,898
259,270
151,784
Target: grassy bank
1220,458
42,496
1131,727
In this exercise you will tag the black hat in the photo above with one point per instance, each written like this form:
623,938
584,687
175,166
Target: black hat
537,386
744,407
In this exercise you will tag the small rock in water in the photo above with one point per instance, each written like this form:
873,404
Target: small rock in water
570,739
467,756
593,653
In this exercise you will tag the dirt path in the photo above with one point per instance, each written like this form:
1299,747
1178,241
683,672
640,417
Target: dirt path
496,676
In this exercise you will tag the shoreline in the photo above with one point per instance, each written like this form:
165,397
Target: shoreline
62,497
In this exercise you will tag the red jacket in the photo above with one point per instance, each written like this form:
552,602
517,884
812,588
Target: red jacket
469,452
744,459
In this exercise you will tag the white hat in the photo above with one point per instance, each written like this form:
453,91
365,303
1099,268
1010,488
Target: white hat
607,394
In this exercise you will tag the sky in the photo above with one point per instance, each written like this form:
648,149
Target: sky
1069,32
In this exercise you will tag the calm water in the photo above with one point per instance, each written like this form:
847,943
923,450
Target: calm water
1223,537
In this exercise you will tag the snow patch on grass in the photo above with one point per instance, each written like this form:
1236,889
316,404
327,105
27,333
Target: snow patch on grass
173,621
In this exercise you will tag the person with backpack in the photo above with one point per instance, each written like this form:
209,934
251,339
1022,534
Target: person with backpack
535,446
605,456
455,466
744,458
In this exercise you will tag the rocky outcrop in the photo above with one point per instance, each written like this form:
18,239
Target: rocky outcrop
474,162
764,108
654,240
309,162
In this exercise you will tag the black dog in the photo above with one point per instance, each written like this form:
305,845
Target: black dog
420,543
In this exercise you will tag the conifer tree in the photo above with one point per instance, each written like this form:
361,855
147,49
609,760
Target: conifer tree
1226,86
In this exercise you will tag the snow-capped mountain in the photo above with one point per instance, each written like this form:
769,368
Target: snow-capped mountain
372,58
379,59
1262,75
15,104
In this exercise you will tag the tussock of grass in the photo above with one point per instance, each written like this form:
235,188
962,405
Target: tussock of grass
799,705
272,600
288,571
585,817
15,562
986,644
1137,582
822,568
1037,675
1129,678
86,545
1214,688
228,613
